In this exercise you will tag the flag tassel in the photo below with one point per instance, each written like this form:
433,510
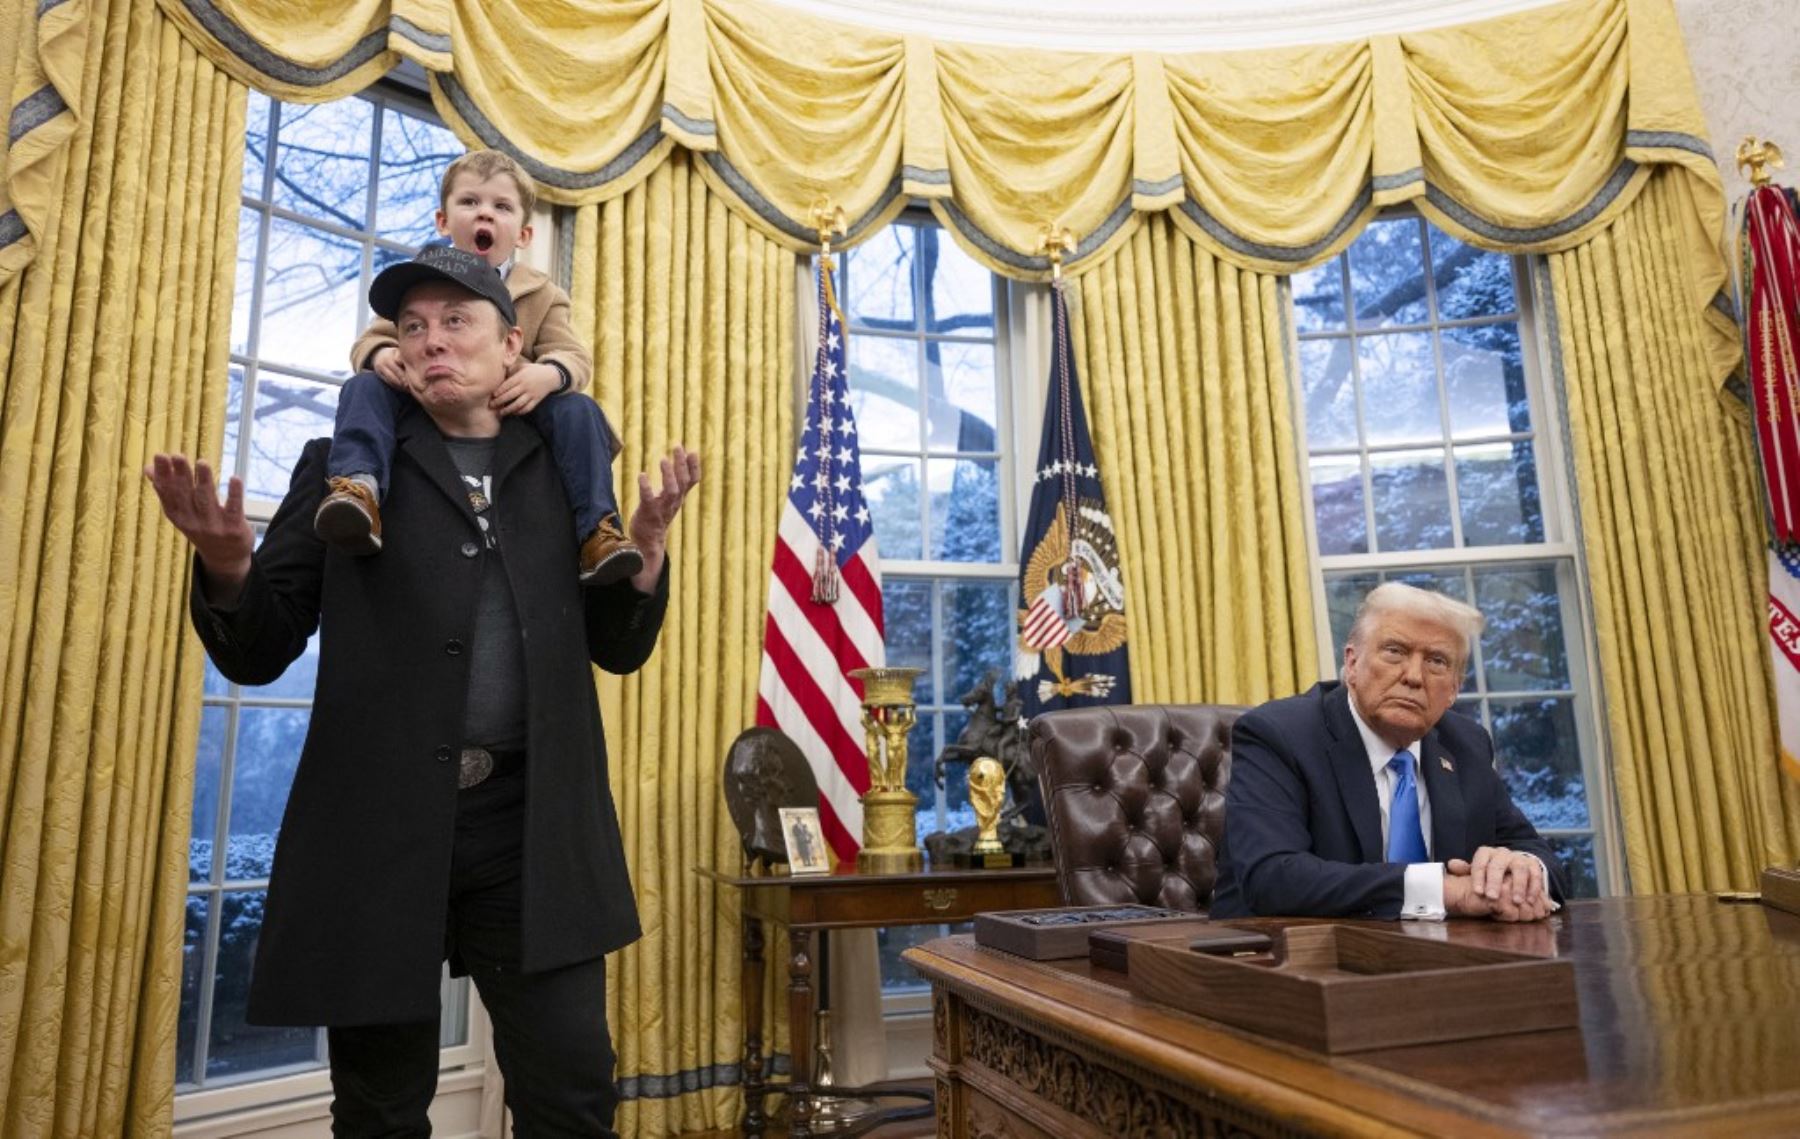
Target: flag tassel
824,578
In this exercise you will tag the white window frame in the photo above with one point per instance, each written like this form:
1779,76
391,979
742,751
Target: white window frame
1561,547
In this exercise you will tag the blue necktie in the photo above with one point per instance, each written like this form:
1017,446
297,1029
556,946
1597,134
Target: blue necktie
1406,841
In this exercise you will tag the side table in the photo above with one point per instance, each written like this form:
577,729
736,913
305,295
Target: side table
809,904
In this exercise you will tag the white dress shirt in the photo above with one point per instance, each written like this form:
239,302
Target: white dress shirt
1424,898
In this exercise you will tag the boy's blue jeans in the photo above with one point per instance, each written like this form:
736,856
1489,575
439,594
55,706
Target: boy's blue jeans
573,427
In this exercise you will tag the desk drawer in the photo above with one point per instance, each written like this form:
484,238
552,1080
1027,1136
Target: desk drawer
915,902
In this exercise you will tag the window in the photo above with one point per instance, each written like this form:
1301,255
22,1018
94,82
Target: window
929,387
1433,458
332,194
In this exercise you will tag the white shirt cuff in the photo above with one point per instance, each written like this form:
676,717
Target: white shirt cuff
1424,900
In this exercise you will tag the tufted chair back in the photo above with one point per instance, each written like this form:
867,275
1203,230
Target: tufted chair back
1135,796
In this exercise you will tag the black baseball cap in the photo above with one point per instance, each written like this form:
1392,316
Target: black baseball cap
440,263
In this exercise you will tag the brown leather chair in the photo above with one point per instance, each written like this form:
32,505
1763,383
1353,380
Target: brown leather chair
1135,797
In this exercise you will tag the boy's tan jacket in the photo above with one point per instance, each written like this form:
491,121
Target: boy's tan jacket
543,311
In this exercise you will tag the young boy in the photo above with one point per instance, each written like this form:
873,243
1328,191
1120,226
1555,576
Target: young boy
485,209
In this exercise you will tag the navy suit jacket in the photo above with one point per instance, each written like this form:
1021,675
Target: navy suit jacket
1303,824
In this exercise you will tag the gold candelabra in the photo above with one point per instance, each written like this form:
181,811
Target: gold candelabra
890,831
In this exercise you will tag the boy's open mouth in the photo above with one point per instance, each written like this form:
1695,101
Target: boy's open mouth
484,240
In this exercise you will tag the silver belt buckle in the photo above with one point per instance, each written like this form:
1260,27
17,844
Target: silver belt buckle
477,765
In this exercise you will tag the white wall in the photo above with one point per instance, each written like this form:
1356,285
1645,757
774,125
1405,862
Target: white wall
1746,56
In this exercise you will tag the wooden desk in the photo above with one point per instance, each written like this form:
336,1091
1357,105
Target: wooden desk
847,900
1690,1024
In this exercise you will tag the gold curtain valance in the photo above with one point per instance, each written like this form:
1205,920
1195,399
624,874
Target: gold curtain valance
1528,132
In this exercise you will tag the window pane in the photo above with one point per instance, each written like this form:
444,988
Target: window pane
1497,489
1319,297
234,424
414,154
312,298
268,750
322,160
1387,274
891,488
960,381
1337,489
289,414
965,510
256,146
244,291
1576,853
1468,706
1330,394
1522,646
297,682
209,763
1399,388
1470,282
1343,593
921,759
960,299
193,960
1537,753
215,683
978,635
1412,500
884,392
1484,373
896,975
878,280
906,620
237,1047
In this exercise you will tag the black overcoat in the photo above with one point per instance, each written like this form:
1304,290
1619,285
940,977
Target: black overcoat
353,929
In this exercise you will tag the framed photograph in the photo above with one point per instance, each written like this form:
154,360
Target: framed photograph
805,841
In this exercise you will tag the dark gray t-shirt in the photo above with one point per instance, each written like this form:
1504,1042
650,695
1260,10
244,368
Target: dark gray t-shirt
496,713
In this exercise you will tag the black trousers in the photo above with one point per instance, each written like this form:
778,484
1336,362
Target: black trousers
550,1030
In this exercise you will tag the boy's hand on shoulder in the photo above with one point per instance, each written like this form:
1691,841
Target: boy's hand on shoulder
392,370
527,387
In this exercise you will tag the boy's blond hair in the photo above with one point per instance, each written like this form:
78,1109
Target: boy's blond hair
484,164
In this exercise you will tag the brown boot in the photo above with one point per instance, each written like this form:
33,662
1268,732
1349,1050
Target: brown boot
608,555
349,518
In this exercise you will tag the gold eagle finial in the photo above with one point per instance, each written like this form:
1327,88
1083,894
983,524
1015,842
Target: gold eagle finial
1756,157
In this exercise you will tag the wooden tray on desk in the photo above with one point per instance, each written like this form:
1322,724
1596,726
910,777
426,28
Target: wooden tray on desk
1109,947
1054,934
1339,988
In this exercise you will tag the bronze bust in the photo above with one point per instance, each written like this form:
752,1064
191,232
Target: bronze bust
764,772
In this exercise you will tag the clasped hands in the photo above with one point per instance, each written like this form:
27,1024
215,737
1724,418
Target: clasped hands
1506,885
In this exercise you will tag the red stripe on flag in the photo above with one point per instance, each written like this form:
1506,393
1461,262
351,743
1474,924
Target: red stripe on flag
866,588
796,579
818,709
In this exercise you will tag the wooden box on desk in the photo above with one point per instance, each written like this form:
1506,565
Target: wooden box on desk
1051,935
1340,988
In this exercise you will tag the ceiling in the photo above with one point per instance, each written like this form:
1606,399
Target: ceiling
1156,25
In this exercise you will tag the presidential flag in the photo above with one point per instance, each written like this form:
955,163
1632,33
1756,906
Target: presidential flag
825,594
1072,645
1769,256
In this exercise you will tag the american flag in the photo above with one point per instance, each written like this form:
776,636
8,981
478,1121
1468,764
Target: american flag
825,595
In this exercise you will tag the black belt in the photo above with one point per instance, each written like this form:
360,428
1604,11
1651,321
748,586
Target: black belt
480,764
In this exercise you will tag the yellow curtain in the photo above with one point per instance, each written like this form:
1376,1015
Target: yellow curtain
691,315
1525,132
1184,360
1673,536
113,346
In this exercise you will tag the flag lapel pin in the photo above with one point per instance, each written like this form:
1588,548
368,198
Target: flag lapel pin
1445,760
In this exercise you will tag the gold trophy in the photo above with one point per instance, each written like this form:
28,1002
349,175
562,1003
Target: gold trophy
987,794
890,832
